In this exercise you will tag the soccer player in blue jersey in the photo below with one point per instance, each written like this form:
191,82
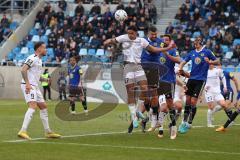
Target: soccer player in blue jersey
75,85
201,59
150,64
167,87
233,116
229,94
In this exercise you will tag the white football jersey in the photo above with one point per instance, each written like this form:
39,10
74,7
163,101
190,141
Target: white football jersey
132,49
35,70
213,80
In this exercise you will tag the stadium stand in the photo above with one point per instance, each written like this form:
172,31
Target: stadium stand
79,32
217,21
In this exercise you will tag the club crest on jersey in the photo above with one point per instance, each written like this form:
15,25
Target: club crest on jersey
197,60
162,60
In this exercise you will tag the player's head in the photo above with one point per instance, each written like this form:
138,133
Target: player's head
132,32
152,33
198,42
73,61
167,39
40,48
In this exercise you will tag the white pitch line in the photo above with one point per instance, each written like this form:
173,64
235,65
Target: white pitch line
70,136
145,148
93,134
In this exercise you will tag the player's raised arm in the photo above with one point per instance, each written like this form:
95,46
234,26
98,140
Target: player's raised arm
153,49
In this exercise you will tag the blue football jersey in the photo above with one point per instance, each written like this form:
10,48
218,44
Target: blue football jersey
170,76
200,67
228,76
74,75
152,57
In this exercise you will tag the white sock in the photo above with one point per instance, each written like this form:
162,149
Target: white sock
27,119
44,118
216,108
150,114
209,116
154,120
161,117
132,109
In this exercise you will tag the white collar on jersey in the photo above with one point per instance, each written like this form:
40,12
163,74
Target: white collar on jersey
200,49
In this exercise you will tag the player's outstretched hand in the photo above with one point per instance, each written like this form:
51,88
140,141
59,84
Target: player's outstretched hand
28,88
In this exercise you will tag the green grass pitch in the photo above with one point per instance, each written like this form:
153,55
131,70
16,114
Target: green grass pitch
105,138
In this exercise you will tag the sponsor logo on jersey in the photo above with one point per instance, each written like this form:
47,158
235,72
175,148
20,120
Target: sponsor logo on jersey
162,60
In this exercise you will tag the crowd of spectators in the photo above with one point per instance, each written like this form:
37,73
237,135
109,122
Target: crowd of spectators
4,28
218,21
68,34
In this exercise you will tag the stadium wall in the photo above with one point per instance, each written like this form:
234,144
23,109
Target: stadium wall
11,76
21,31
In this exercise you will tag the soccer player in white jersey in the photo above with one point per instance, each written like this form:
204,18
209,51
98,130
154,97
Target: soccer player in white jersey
31,74
213,92
133,71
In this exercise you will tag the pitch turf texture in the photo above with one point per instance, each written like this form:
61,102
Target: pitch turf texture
105,138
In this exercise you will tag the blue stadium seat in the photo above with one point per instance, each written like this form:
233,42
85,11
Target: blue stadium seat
16,50
50,52
91,52
236,42
31,50
100,52
24,50
13,25
235,62
104,59
11,56
30,44
48,31
225,48
33,32
229,68
35,38
141,34
37,25
83,52
229,55
44,39
196,34
225,62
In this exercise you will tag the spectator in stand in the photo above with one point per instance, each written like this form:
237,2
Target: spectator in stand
153,13
120,6
169,28
59,54
5,22
62,4
179,15
236,52
79,9
232,29
142,25
213,31
180,42
188,43
218,51
96,9
94,42
228,38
